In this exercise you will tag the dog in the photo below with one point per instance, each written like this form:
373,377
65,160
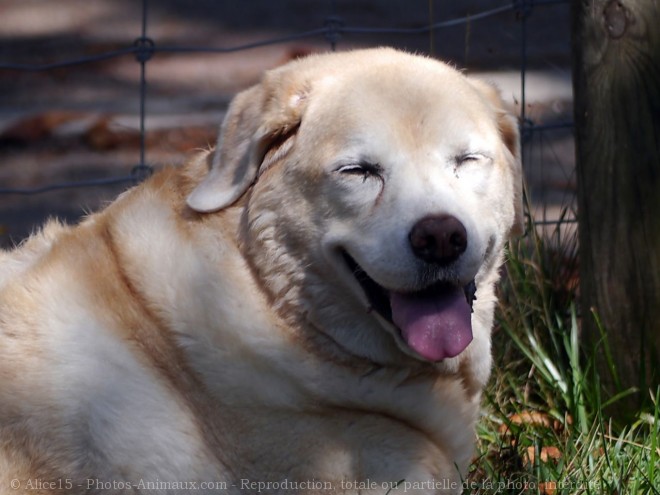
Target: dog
305,308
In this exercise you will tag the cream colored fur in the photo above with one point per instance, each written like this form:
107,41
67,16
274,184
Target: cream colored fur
204,328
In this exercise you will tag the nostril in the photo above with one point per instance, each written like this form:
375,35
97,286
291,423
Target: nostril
438,239
458,241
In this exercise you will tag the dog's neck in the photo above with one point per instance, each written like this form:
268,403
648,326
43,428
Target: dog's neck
206,285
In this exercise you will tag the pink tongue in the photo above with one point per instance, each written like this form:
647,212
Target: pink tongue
436,326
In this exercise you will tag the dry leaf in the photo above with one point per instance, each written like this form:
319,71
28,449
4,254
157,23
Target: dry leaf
37,127
548,488
545,454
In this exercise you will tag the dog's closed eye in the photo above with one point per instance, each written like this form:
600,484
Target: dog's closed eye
365,170
466,158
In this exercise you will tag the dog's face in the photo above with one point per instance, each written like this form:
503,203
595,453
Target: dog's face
384,188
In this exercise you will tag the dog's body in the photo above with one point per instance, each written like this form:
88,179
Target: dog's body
214,330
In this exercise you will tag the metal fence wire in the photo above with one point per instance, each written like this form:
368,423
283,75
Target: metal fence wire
333,31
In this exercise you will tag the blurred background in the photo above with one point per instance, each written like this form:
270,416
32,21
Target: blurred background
95,93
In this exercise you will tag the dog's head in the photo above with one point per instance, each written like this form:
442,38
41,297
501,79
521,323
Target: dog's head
378,191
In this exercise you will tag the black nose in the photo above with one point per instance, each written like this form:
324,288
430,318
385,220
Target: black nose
438,239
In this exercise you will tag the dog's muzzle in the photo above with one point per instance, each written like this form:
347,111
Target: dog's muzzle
434,322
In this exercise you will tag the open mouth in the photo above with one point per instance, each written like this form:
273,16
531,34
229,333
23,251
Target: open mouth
434,322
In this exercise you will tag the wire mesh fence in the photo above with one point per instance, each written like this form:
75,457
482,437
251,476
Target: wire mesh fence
334,31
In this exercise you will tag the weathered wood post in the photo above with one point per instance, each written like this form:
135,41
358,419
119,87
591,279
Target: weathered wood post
617,115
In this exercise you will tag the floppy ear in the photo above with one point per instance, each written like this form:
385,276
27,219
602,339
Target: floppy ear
258,130
508,127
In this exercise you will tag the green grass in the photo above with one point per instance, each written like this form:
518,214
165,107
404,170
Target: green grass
544,429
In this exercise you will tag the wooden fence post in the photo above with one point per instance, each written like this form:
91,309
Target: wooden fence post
616,45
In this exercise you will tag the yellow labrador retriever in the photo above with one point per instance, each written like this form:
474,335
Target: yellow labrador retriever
305,309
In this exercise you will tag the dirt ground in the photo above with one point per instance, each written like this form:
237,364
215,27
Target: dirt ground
81,122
